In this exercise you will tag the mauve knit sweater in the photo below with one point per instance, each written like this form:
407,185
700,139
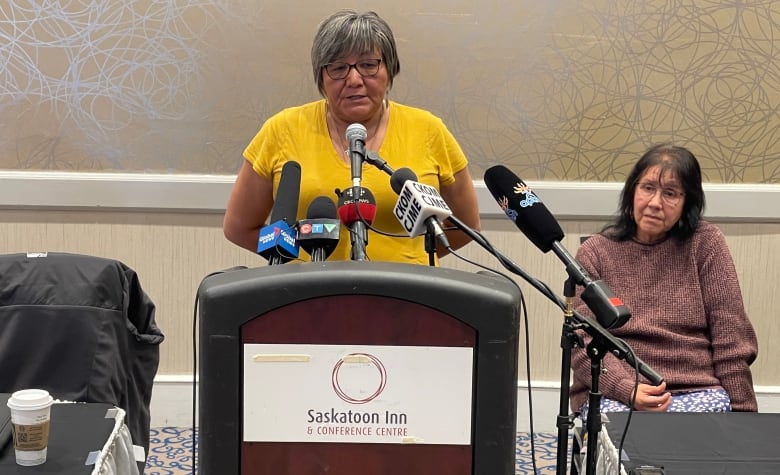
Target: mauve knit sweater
688,321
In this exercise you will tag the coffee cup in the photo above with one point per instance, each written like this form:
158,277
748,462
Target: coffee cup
30,418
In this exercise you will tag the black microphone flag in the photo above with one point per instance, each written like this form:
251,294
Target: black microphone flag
318,234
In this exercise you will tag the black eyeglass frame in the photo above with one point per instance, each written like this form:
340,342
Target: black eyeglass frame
357,67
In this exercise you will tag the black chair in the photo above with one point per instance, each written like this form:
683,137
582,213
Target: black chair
82,328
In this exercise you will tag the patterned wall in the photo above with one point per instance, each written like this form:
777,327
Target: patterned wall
557,90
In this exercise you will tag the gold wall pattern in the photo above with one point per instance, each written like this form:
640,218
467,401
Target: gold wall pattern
556,90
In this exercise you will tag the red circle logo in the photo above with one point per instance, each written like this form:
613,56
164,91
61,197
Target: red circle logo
355,386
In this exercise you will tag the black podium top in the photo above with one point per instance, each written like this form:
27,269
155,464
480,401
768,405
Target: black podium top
694,443
76,430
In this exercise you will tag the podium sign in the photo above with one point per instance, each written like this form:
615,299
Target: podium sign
358,394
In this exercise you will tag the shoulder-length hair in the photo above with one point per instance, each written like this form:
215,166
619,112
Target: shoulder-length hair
349,32
677,160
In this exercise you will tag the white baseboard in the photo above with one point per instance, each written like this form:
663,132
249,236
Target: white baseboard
172,403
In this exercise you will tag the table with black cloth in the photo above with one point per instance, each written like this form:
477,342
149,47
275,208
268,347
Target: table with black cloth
78,433
692,443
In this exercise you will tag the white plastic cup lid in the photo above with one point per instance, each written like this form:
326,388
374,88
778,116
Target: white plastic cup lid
30,400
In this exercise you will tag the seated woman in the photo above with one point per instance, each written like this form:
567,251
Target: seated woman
675,273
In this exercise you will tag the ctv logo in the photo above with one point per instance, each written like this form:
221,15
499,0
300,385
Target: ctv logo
316,228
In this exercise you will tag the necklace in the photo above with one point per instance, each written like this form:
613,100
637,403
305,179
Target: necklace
340,140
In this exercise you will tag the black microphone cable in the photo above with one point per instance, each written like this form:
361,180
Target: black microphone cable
631,403
524,313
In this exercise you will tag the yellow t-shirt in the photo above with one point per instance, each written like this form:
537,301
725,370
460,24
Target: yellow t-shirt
415,139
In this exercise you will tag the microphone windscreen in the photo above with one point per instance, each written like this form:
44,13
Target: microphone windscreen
356,131
400,177
287,194
351,209
322,207
523,207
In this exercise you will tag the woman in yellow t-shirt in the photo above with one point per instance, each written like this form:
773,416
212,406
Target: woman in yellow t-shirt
354,60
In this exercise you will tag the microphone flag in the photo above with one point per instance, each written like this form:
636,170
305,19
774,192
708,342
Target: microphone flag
417,202
318,234
278,238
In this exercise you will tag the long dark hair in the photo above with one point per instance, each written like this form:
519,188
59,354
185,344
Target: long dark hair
670,158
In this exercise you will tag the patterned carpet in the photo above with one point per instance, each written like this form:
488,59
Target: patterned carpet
170,452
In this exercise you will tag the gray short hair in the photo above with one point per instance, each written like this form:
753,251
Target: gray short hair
349,32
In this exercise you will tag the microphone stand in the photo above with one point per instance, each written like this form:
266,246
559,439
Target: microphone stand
569,340
358,235
596,354
601,302
318,254
601,343
374,159
430,243
358,231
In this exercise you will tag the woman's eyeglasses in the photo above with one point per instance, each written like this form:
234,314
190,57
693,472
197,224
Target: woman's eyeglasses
668,195
340,70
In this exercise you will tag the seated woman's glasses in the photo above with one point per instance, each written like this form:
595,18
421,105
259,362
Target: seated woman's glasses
668,195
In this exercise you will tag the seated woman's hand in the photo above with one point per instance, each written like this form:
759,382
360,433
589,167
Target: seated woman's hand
652,398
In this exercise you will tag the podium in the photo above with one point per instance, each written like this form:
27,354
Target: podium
273,398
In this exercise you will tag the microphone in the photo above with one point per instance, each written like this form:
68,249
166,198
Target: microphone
277,241
419,207
356,138
351,211
533,218
357,209
523,207
318,234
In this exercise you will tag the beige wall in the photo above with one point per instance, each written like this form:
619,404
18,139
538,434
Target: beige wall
556,90
172,252
561,90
